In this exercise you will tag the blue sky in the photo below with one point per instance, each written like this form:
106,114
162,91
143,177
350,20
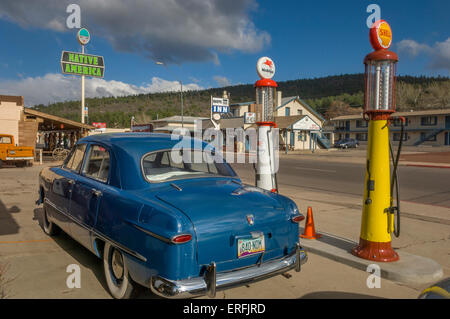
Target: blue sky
209,48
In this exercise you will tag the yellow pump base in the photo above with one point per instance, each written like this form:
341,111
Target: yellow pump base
377,221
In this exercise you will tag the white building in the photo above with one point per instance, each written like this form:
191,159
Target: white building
299,124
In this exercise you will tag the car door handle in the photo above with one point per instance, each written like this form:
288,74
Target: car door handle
71,181
96,193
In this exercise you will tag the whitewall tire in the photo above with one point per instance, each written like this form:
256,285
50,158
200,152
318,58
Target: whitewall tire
49,227
116,273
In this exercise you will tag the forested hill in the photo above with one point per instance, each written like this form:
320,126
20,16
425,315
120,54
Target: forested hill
340,93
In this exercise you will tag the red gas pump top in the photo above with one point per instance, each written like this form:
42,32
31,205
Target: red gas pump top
380,73
266,82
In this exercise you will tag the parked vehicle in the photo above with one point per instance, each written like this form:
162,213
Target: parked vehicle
14,155
346,143
160,219
439,290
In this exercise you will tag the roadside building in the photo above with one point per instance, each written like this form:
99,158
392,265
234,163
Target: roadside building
430,127
299,124
169,124
37,129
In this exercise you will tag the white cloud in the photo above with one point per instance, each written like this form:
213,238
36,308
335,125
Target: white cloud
439,53
173,31
412,47
222,81
55,87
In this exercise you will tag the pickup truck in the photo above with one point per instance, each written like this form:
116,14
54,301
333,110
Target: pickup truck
12,154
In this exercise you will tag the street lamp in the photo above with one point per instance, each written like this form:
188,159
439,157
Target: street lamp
181,94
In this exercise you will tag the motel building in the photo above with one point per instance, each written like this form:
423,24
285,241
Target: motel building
430,127
299,125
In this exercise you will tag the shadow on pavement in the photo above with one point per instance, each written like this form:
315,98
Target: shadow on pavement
332,240
86,258
8,225
337,295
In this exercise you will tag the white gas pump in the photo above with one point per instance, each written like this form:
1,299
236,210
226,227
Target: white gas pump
265,106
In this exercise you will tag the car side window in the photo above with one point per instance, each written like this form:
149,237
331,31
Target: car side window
76,159
97,164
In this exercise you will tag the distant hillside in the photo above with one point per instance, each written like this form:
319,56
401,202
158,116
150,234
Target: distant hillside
320,93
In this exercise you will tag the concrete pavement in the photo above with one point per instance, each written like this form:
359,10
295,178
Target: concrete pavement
38,263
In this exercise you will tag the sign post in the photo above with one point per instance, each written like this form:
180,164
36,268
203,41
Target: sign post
218,106
83,37
76,63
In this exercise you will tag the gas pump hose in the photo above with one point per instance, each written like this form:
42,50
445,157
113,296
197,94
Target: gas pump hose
394,180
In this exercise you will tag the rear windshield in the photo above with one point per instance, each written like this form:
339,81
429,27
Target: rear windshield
168,165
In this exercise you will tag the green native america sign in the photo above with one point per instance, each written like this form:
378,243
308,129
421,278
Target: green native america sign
76,63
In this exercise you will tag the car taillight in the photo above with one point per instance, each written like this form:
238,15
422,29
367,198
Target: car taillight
297,218
181,239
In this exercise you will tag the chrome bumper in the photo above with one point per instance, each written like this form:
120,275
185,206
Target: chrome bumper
19,158
212,281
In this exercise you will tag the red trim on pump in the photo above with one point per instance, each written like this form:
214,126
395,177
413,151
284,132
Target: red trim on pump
266,82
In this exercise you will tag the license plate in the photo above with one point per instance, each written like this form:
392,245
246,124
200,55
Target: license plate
247,247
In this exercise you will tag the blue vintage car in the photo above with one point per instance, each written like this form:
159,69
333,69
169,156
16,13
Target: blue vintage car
178,226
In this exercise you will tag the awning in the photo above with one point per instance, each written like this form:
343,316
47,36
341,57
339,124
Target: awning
50,120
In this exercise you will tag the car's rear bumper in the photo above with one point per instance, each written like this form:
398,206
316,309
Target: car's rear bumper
211,282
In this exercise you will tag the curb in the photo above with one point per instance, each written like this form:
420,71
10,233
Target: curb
410,269
424,165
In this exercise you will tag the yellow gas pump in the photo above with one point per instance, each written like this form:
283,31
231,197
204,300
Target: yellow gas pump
378,213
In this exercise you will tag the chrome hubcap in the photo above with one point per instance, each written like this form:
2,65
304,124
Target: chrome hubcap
117,264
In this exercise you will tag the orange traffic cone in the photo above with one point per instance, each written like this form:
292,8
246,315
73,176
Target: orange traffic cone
310,232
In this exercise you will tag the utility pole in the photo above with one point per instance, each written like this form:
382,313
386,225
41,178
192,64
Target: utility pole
182,107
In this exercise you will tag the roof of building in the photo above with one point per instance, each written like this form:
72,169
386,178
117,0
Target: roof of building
243,103
12,98
171,128
179,119
289,99
284,122
54,118
410,113
232,122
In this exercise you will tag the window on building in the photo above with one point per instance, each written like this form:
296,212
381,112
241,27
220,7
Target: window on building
396,137
428,120
287,111
299,112
302,136
398,122
423,137
361,123
361,136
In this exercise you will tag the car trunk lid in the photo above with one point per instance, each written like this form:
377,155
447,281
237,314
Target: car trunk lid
224,212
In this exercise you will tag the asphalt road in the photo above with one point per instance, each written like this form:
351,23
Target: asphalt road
417,184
